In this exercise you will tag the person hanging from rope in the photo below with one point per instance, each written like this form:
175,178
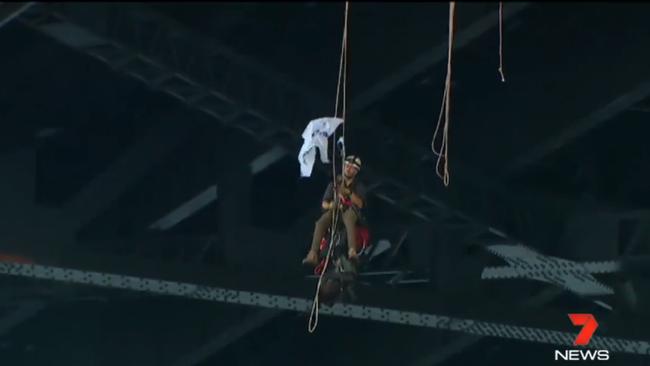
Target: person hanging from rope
352,198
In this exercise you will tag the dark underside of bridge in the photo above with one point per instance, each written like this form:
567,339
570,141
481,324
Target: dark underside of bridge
161,141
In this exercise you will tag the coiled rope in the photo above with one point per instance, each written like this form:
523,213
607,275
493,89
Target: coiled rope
443,153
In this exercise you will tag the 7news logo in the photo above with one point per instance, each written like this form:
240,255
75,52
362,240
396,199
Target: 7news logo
589,326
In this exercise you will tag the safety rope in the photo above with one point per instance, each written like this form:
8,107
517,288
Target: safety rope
503,78
342,79
443,152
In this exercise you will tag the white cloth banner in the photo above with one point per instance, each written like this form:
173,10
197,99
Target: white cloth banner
340,144
315,137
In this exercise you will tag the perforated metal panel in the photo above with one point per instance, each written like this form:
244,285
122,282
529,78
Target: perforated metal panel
217,294
527,263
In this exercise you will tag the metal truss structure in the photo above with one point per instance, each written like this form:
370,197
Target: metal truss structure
243,94
207,293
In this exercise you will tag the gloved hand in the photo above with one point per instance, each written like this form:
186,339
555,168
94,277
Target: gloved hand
346,192
345,202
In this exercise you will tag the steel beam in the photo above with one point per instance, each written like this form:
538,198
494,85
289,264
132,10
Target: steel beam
581,91
129,168
22,314
208,293
186,210
270,157
169,58
26,224
9,11
574,130
437,54
229,336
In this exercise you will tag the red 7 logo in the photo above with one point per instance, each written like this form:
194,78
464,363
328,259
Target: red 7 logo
589,325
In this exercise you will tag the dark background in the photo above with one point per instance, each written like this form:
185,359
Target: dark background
115,115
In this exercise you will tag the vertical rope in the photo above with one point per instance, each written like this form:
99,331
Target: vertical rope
345,76
443,152
503,78
313,318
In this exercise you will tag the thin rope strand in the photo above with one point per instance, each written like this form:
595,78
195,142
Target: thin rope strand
345,77
444,151
338,82
452,10
313,318
435,133
503,78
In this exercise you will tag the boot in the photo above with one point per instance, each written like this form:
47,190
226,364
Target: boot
352,255
311,258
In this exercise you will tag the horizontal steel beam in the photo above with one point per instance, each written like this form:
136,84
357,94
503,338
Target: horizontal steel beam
247,298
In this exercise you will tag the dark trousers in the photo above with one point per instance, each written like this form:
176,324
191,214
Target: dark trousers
349,217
